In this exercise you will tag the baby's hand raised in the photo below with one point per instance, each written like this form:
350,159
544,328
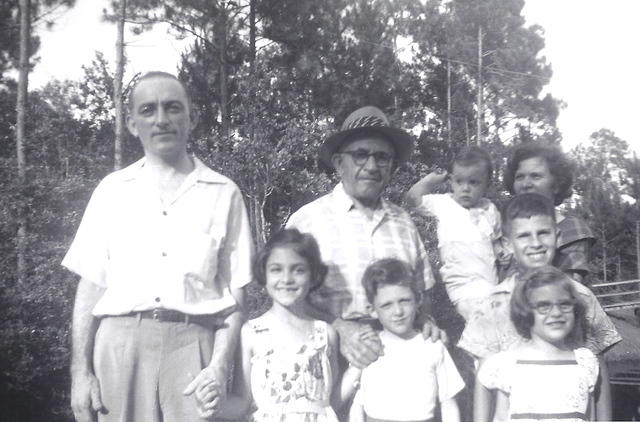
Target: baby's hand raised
436,177
425,186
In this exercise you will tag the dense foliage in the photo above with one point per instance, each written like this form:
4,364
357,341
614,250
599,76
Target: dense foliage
269,79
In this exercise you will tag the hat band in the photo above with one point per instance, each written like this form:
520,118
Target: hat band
366,121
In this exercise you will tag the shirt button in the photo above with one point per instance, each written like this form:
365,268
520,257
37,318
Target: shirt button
164,213
157,299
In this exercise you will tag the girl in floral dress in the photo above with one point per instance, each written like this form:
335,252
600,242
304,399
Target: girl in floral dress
546,378
288,359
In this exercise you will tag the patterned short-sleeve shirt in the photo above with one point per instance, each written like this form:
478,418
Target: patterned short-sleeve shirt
349,241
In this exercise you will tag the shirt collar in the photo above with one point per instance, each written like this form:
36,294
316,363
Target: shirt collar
200,172
482,206
344,203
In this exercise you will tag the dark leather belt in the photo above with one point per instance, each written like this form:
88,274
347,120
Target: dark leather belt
168,315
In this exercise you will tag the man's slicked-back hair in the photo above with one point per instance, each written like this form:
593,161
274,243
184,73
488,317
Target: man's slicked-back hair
526,205
522,310
388,271
153,75
560,166
470,156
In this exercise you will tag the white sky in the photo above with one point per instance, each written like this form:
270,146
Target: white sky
79,32
592,46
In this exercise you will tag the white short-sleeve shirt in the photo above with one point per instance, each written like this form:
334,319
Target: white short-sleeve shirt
407,381
183,255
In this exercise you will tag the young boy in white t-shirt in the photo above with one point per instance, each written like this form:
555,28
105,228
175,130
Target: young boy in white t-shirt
413,374
469,235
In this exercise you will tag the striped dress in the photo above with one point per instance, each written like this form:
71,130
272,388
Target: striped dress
543,390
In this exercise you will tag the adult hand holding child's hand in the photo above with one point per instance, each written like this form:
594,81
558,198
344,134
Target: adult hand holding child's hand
208,391
359,343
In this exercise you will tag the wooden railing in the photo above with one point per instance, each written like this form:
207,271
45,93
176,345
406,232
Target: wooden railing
630,377
620,299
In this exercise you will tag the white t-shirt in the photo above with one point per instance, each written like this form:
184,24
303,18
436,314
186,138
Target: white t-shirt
465,238
405,382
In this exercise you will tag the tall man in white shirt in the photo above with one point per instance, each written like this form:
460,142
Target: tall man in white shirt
163,253
355,226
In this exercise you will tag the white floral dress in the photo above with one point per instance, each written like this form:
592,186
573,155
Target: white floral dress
548,390
291,384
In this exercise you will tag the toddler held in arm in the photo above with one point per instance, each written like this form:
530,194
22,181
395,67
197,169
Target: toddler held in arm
469,235
413,374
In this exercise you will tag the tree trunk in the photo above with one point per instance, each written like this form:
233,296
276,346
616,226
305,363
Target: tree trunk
466,130
117,87
252,69
449,102
604,254
222,60
258,221
21,112
479,99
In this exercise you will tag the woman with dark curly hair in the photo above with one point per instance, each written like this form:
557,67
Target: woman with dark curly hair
543,168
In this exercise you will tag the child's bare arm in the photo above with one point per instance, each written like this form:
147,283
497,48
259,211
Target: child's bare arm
482,401
502,407
603,393
449,410
340,394
423,187
356,412
237,403
348,386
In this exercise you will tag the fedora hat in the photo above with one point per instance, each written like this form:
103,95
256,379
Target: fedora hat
367,118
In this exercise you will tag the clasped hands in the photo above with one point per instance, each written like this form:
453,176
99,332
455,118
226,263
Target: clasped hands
209,389
361,346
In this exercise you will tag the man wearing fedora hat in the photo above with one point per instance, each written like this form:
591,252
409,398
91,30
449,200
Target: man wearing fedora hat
354,226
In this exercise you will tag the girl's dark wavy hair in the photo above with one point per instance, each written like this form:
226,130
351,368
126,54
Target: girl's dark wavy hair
303,244
522,311
560,166
389,271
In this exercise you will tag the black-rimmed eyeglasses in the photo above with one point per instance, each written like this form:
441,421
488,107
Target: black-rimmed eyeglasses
361,156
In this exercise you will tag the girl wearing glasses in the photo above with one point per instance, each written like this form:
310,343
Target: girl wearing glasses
547,377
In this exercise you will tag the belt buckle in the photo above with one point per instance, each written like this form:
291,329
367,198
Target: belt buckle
156,315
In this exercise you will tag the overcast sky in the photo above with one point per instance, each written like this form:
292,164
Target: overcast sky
592,46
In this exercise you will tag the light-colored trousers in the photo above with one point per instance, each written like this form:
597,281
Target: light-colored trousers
144,365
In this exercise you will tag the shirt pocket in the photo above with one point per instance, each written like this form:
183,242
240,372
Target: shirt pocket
198,261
